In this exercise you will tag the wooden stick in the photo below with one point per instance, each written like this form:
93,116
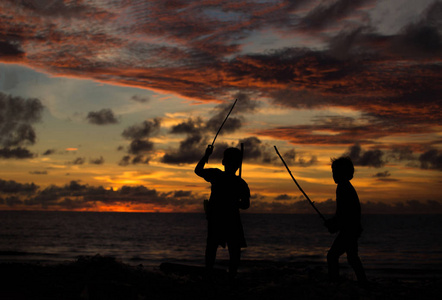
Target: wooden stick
299,187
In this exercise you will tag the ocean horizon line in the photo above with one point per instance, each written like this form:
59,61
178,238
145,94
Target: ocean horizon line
196,213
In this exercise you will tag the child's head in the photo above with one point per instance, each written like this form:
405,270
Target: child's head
232,159
342,168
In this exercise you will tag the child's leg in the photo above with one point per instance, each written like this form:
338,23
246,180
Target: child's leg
235,256
336,250
210,257
354,260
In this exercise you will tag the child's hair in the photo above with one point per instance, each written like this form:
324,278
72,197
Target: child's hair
343,166
232,156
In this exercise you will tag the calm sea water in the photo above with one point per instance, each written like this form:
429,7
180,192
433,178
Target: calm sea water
388,241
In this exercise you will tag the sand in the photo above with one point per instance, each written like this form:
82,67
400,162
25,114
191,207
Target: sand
106,278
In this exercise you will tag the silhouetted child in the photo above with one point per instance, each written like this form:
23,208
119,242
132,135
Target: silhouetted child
229,193
347,221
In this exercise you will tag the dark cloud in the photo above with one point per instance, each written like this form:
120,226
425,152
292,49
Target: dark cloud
431,159
144,130
255,150
134,159
245,103
49,152
141,147
331,12
190,150
78,161
418,40
140,99
234,122
53,196
17,115
423,38
125,161
13,187
11,200
10,51
17,153
38,172
182,194
349,42
303,162
283,197
370,158
72,204
140,159
25,25
338,130
102,117
428,159
293,158
59,8
190,126
401,153
76,195
97,161
382,174
19,109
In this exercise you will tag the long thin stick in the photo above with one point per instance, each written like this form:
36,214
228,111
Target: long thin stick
224,122
299,187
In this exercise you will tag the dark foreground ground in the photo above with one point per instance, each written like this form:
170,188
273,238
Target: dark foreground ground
105,278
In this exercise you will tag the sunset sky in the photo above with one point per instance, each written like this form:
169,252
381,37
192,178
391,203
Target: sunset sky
107,105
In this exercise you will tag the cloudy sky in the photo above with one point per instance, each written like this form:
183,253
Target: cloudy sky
107,105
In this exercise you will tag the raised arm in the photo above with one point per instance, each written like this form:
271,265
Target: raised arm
200,166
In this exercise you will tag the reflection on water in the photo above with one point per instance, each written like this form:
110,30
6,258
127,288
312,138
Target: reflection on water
399,241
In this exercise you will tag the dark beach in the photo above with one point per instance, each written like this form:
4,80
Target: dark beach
100,277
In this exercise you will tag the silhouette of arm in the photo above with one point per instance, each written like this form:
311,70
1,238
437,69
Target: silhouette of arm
244,202
199,169
332,224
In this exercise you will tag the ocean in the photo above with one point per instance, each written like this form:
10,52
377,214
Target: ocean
401,242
